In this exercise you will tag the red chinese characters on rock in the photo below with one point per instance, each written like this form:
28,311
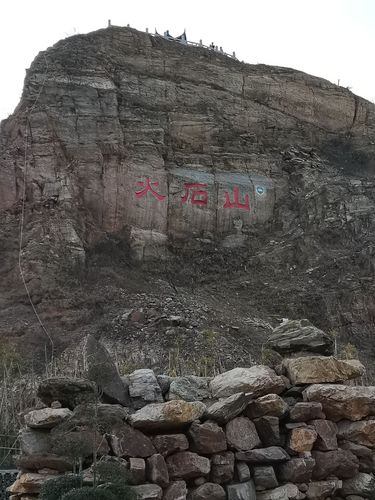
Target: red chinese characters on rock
147,188
236,203
198,195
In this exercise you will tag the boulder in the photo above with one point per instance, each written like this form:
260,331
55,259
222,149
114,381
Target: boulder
148,492
137,471
189,388
157,471
264,477
68,391
279,493
175,491
29,483
208,491
102,370
128,442
166,444
36,462
271,404
258,380
296,470
268,429
362,484
241,491
302,412
300,336
270,455
321,369
241,434
171,415
207,438
327,434
343,401
242,471
46,418
187,465
362,432
301,439
144,388
340,463
320,490
222,467
226,409
34,442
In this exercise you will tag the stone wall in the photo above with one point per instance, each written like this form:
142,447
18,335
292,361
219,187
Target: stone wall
298,431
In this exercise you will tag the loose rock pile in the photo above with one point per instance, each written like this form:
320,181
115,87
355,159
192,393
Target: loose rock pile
292,432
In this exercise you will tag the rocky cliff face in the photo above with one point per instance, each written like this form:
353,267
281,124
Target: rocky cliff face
247,192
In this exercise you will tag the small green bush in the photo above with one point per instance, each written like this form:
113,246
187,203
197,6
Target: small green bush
88,493
54,489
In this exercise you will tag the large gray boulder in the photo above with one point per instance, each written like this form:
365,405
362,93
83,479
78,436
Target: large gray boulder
189,388
300,336
225,409
102,370
167,416
144,388
343,401
257,380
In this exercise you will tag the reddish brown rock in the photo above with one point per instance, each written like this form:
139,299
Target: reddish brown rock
359,432
339,463
166,444
343,401
301,439
302,412
268,429
187,465
222,467
241,434
128,442
207,438
156,470
271,404
327,434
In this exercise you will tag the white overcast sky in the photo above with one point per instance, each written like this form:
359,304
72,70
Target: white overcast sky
334,39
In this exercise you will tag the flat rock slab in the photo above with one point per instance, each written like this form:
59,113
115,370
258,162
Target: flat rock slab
343,401
68,391
46,418
270,455
258,380
321,369
167,416
222,467
300,336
